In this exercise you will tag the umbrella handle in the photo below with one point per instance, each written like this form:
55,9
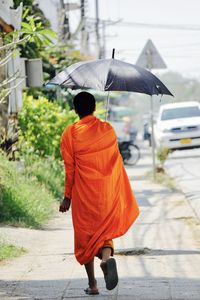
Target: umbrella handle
107,106
113,53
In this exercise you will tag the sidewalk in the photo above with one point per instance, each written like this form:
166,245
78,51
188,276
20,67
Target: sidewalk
157,259
186,174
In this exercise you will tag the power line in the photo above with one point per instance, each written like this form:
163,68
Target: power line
161,26
166,56
188,45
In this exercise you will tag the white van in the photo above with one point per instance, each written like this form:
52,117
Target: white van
178,125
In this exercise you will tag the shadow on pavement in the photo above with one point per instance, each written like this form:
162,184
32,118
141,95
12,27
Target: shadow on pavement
131,288
155,252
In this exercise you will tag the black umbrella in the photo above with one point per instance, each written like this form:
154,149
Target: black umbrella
110,75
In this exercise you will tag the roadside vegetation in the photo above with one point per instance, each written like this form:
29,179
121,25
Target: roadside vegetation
8,251
47,171
41,124
161,154
23,201
164,179
31,170
161,176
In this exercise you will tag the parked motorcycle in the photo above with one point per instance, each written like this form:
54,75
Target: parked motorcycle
129,151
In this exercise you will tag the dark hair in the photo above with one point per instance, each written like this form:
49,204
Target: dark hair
84,104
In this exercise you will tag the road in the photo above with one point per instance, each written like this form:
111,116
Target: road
184,167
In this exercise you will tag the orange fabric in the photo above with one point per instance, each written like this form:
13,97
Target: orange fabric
103,204
108,244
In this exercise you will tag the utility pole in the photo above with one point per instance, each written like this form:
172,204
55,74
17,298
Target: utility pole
64,29
149,66
84,33
101,24
60,17
151,59
83,22
103,48
97,30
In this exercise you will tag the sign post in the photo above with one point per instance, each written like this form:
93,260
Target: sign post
151,59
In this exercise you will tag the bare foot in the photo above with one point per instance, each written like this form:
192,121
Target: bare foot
92,289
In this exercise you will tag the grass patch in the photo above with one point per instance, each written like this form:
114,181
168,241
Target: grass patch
8,251
48,172
162,178
23,201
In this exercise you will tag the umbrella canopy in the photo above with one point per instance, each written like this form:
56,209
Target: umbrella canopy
110,75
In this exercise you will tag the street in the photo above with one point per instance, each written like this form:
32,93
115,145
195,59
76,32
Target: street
157,259
184,167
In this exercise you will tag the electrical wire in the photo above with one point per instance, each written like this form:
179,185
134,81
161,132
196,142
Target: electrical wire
161,26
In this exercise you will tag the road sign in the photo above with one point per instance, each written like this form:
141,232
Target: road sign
150,58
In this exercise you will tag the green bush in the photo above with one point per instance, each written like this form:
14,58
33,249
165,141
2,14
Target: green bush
23,201
47,171
41,125
162,154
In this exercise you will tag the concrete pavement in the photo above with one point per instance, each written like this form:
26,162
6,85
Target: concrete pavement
184,167
157,259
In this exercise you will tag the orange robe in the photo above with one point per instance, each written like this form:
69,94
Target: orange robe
103,204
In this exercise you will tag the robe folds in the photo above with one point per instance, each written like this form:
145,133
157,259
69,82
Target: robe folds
103,204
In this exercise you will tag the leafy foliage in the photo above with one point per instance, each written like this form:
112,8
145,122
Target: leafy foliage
162,154
23,201
37,36
47,171
30,9
41,124
25,3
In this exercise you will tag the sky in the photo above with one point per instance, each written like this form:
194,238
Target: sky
172,25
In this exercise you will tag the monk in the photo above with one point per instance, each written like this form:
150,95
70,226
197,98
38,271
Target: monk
98,189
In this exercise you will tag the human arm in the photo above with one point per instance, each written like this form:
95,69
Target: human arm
67,153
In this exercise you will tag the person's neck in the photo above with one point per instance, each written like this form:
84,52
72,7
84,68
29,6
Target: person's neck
81,117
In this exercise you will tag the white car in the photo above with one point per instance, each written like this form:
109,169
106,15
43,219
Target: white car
178,125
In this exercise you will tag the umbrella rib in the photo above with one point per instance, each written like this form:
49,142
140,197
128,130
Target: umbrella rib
105,88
